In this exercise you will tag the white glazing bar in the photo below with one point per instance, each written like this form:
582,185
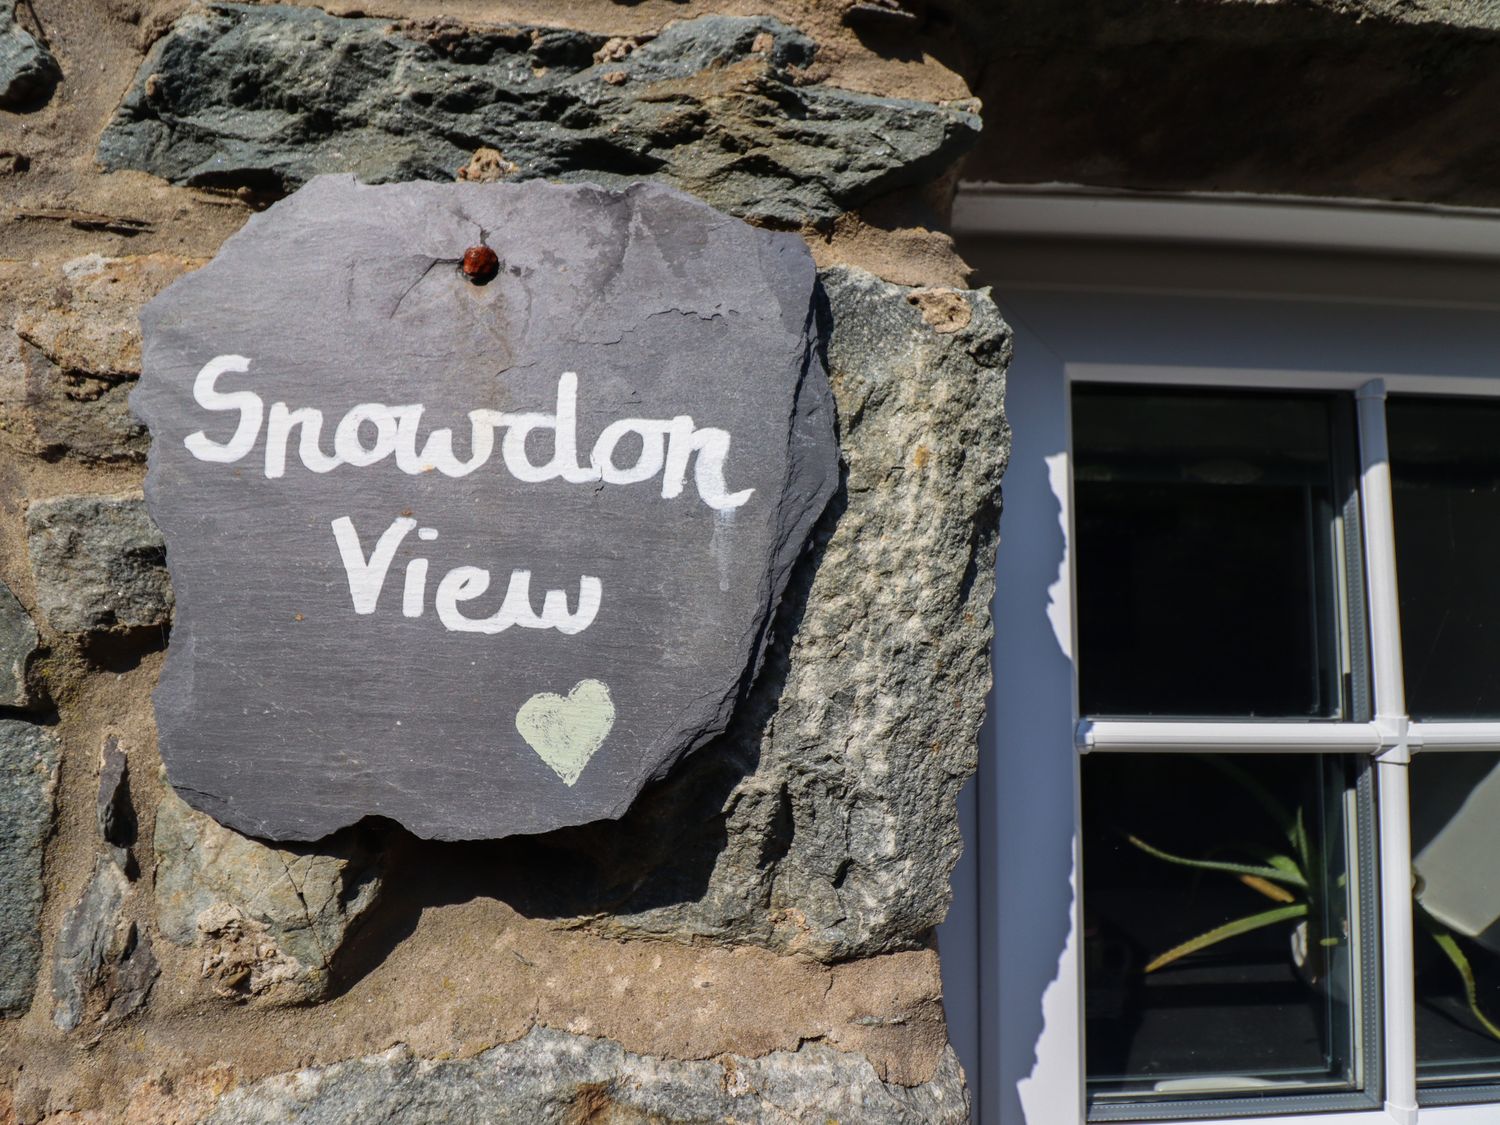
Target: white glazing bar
1392,781
1186,736
1454,736
1391,776
1380,552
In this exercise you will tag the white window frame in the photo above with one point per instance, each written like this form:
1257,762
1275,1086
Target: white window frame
1012,961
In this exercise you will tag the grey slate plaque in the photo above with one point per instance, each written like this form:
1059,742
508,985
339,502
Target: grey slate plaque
482,559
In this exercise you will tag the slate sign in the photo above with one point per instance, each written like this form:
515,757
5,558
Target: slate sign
479,558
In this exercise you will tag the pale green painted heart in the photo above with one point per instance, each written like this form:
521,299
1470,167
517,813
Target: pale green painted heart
565,733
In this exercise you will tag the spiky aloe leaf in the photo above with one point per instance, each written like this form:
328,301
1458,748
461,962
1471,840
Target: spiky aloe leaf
1460,961
1275,874
1228,930
1300,842
1286,863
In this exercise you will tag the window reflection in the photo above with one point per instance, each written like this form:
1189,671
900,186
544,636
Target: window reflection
1455,812
1223,943
1445,484
1206,532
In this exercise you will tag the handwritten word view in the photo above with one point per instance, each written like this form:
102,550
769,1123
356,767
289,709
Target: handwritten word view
367,576
668,446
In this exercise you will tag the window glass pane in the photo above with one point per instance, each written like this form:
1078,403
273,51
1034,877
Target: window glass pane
1445,482
1270,1003
1455,812
1207,569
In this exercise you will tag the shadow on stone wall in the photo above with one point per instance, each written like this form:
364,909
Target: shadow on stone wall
662,853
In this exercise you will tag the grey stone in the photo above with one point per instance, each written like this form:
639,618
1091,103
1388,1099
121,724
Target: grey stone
99,563
134,972
825,822
28,72
77,414
113,809
267,922
554,1078
18,640
293,704
267,97
102,966
28,780
85,943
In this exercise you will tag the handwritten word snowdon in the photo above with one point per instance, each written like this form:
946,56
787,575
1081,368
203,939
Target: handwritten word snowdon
667,445
372,432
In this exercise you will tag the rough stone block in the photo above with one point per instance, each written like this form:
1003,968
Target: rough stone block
90,326
18,640
554,1076
103,968
268,921
113,810
100,563
267,97
28,779
75,356
28,72
878,723
69,413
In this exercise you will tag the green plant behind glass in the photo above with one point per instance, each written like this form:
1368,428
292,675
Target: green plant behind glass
1293,875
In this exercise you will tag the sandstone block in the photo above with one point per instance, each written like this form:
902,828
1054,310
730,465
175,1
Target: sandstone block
90,326
73,414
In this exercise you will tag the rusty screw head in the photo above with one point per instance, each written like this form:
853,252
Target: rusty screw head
480,264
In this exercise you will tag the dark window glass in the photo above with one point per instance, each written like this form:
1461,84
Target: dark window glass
1455,814
1270,1000
1445,480
1207,567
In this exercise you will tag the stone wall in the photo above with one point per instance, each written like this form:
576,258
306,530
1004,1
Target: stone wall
753,940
